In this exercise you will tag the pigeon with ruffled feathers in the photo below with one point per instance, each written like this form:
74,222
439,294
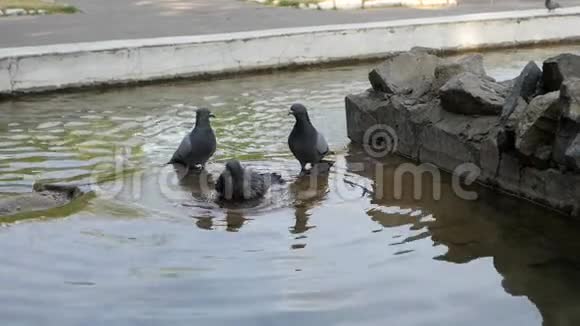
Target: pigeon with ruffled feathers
237,183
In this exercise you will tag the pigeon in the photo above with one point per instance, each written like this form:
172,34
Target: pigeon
552,5
237,183
197,147
305,142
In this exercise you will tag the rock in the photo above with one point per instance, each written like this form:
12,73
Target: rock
569,126
515,152
490,156
525,86
470,94
572,154
361,113
538,124
511,122
450,68
14,12
44,197
558,69
409,73
509,172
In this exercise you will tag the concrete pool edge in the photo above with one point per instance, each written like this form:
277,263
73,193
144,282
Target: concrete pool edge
62,66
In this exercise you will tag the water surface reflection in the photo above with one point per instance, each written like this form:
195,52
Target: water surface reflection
340,248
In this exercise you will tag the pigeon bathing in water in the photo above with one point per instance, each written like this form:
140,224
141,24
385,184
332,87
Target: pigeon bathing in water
552,5
238,184
305,142
199,145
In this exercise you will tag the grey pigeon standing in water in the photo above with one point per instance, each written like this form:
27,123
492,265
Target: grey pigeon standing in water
552,5
239,184
199,145
305,142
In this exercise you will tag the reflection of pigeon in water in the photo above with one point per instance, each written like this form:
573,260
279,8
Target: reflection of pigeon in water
197,147
237,183
305,142
552,5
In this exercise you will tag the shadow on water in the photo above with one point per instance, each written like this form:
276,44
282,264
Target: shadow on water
535,250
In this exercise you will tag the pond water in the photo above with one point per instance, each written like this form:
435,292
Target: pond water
338,249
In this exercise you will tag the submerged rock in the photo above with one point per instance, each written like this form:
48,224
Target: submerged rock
409,73
558,69
43,197
470,94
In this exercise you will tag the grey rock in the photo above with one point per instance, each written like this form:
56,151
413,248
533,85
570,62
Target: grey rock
449,68
237,183
509,173
43,198
409,73
525,86
199,145
361,113
515,153
305,142
559,68
572,154
490,156
538,124
471,94
569,126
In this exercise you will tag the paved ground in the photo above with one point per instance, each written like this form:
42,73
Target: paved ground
127,19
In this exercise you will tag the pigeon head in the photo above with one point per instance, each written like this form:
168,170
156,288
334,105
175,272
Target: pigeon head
235,169
299,112
202,116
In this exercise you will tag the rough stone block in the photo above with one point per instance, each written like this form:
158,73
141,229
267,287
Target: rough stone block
538,124
470,94
361,113
569,125
558,69
394,75
525,86
442,144
450,68
509,173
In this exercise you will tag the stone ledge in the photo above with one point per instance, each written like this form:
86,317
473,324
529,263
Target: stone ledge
43,68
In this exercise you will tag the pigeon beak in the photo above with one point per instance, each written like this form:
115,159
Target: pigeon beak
290,113
211,115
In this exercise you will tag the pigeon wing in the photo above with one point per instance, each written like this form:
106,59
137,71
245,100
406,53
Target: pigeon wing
182,151
321,145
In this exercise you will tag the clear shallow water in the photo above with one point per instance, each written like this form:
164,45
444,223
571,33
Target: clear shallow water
149,250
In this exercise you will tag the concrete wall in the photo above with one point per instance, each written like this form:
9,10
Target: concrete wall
30,69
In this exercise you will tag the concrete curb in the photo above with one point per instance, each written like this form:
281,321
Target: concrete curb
365,4
32,69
